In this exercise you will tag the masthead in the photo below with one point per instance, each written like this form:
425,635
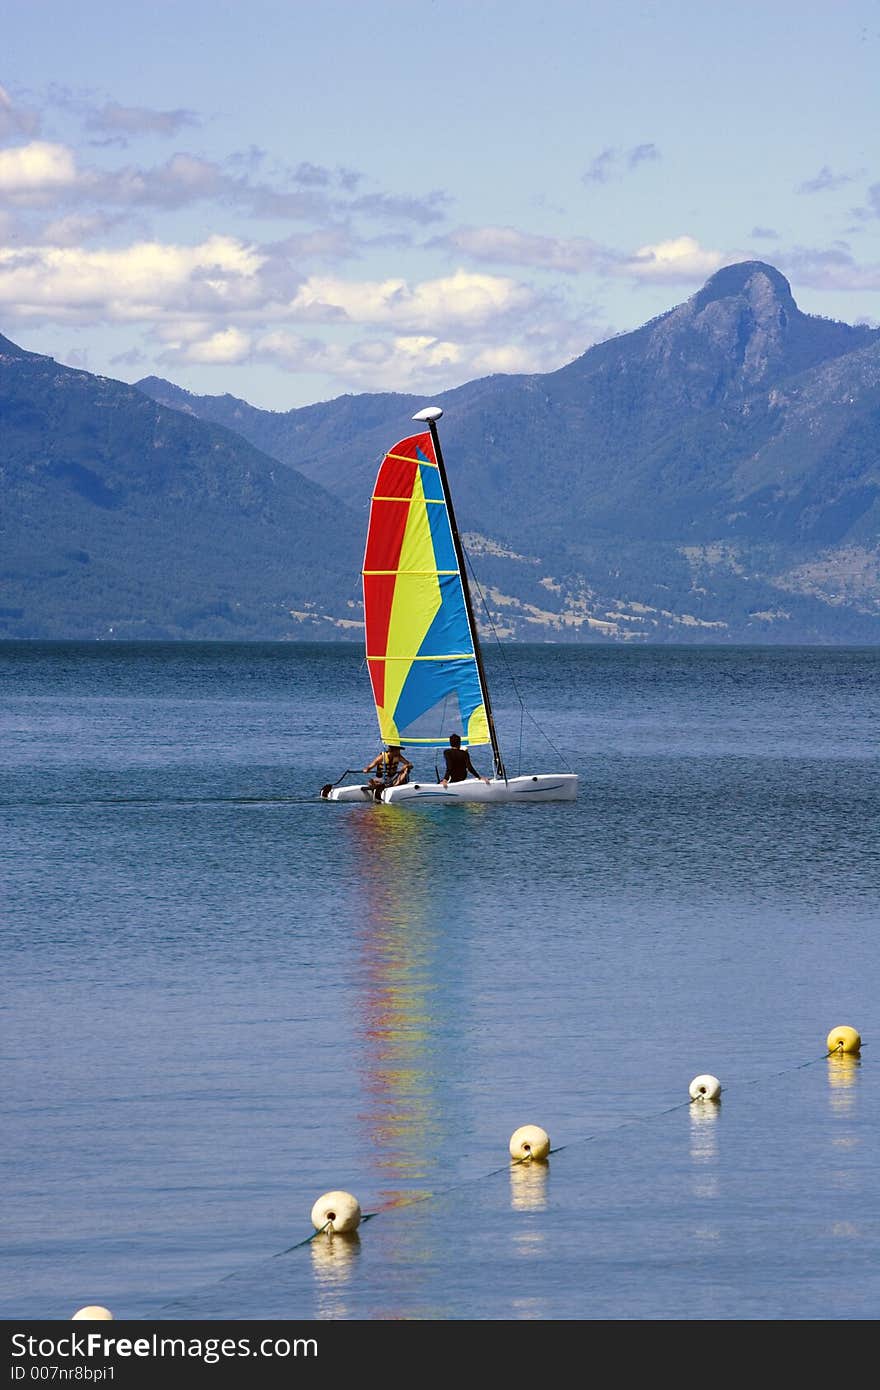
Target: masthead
431,412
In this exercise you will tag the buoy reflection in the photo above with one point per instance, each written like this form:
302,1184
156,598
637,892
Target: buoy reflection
843,1076
704,1132
333,1259
528,1185
843,1073
528,1195
704,1147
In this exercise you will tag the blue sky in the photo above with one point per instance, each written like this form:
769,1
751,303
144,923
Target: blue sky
291,202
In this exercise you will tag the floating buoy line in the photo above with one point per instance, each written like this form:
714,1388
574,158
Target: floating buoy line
339,1212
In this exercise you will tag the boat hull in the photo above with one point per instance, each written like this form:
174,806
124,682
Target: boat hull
545,786
361,793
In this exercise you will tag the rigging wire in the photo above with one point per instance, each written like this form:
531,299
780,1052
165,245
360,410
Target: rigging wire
522,705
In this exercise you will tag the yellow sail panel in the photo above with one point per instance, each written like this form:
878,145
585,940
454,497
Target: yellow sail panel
416,596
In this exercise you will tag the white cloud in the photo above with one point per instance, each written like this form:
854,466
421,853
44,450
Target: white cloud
144,281
677,260
462,298
152,280
370,363
399,362
36,171
512,357
222,300
378,361
681,259
227,347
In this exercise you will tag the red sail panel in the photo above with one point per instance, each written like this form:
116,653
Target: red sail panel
378,598
389,512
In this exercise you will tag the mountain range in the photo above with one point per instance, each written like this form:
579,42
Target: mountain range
711,476
121,518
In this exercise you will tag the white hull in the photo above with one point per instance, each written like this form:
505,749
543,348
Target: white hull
360,793
546,786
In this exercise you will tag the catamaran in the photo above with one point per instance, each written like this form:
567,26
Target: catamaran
422,644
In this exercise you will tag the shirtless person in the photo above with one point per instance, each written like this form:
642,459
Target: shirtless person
391,768
458,763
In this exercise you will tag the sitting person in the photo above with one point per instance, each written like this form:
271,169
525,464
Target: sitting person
458,763
391,768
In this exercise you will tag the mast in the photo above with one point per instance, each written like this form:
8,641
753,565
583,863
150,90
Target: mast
430,417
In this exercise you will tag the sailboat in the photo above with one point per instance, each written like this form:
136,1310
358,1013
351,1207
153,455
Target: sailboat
422,644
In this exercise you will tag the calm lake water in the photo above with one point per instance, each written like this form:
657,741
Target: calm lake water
223,997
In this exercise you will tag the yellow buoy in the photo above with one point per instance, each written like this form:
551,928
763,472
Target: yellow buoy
705,1087
93,1312
843,1039
529,1141
336,1211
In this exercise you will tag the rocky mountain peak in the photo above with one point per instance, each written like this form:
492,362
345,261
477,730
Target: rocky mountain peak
740,329
760,285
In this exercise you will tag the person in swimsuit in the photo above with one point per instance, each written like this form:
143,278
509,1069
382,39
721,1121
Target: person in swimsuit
390,767
458,763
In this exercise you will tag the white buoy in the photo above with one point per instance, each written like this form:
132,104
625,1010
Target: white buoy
336,1211
705,1087
529,1141
93,1312
843,1039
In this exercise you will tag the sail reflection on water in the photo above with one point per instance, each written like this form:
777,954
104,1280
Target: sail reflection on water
401,1000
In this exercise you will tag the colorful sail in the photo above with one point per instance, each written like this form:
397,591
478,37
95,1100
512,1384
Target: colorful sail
420,650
